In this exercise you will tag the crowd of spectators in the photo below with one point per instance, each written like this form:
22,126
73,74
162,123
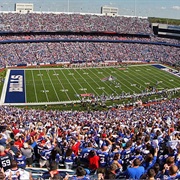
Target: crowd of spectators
142,142
17,22
89,37
44,52
117,143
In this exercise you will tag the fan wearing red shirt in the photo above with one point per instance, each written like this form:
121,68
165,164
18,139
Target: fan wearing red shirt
75,146
93,160
18,141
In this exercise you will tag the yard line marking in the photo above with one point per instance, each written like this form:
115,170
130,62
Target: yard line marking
70,84
82,89
34,85
136,82
53,85
64,90
62,86
142,77
87,82
120,81
166,77
158,76
104,83
162,76
139,79
44,88
44,91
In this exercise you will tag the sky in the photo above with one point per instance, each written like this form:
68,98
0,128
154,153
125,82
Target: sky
145,8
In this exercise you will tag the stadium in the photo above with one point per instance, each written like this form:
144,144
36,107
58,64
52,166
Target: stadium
88,95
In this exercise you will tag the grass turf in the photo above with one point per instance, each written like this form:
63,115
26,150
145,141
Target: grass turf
54,85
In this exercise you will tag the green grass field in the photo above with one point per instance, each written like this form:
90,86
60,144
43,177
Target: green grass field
58,84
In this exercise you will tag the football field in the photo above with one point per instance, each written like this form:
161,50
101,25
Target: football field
64,85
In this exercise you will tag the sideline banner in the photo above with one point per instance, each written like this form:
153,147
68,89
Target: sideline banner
15,92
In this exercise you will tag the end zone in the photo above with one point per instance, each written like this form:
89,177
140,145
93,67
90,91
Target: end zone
14,87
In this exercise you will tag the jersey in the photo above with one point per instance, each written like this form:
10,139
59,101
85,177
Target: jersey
18,174
104,158
21,161
84,153
125,156
5,161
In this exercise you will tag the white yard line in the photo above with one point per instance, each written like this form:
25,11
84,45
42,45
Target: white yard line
62,85
96,84
149,80
78,81
52,85
34,86
134,81
44,87
119,81
70,83
88,83
166,78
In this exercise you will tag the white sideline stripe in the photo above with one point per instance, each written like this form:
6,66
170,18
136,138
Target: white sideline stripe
3,94
74,102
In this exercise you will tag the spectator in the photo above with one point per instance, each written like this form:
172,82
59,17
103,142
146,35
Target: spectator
5,159
17,173
135,171
53,172
69,160
151,174
80,174
93,159
150,160
173,173
20,159
27,151
111,172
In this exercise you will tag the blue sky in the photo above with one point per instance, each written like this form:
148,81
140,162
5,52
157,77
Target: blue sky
152,8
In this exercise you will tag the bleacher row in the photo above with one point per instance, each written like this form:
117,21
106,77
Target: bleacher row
36,47
42,22
53,52
152,131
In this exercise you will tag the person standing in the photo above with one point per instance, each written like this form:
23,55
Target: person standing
135,171
5,159
27,151
17,173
